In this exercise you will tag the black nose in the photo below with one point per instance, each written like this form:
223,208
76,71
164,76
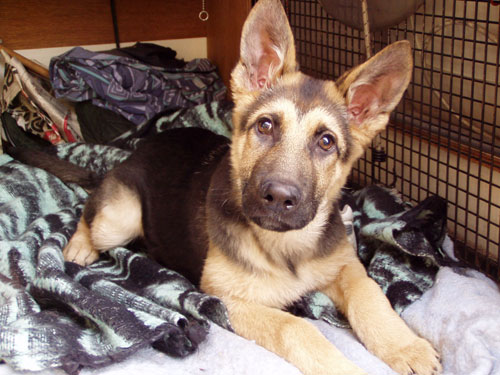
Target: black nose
279,196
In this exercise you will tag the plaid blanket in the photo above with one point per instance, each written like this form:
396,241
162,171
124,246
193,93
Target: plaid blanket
55,314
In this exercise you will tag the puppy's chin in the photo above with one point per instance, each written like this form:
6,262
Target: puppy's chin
276,225
279,222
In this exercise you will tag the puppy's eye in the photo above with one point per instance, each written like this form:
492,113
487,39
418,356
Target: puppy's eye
265,126
326,142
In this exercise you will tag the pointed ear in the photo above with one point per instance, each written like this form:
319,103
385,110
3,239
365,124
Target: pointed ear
267,48
373,89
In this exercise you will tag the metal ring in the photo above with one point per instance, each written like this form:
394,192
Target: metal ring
203,15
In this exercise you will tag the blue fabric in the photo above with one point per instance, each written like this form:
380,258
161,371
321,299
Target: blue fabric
135,90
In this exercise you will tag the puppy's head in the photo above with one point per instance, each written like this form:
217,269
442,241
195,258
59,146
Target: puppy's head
295,137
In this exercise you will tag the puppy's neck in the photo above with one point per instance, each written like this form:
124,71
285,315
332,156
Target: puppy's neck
316,240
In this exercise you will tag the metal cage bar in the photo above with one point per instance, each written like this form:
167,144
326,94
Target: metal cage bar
444,137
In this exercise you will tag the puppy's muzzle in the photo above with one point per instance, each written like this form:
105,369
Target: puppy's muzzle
278,205
279,197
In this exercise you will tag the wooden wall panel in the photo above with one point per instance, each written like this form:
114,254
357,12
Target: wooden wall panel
160,19
56,23
224,32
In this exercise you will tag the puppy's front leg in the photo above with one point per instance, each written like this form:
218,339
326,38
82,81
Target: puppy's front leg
290,337
378,326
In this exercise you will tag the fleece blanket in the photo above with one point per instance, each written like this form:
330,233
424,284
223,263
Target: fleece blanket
58,315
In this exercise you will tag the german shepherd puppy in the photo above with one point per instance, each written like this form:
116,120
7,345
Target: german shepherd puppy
257,222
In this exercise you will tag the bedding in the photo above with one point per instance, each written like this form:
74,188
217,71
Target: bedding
125,312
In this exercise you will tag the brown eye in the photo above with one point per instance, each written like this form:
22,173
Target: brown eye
327,142
265,126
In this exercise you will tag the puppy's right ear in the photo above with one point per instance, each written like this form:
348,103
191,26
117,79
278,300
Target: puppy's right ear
373,89
267,49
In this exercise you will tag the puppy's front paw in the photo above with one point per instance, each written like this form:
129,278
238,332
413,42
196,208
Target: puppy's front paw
80,250
418,358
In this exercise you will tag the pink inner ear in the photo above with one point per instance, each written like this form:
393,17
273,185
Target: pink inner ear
263,78
365,103
263,69
267,59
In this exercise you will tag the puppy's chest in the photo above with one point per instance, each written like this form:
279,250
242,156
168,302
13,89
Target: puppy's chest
282,271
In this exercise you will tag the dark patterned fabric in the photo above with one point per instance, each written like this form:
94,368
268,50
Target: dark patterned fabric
131,88
151,54
399,244
214,116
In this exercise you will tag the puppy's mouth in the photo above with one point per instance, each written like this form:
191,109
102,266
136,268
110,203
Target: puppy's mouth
277,224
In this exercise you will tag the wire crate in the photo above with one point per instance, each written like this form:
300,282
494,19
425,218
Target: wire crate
444,137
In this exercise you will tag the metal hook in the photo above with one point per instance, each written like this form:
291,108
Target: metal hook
203,15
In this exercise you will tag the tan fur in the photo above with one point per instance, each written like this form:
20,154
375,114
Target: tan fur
80,248
116,223
376,324
290,337
119,221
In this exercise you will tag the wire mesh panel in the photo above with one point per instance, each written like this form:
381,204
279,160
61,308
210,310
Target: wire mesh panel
444,137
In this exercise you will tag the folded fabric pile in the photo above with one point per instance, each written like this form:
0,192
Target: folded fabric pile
97,96
29,109
133,89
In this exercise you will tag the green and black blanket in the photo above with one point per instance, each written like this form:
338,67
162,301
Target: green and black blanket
55,314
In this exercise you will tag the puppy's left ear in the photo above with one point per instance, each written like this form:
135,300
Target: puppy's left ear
373,89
